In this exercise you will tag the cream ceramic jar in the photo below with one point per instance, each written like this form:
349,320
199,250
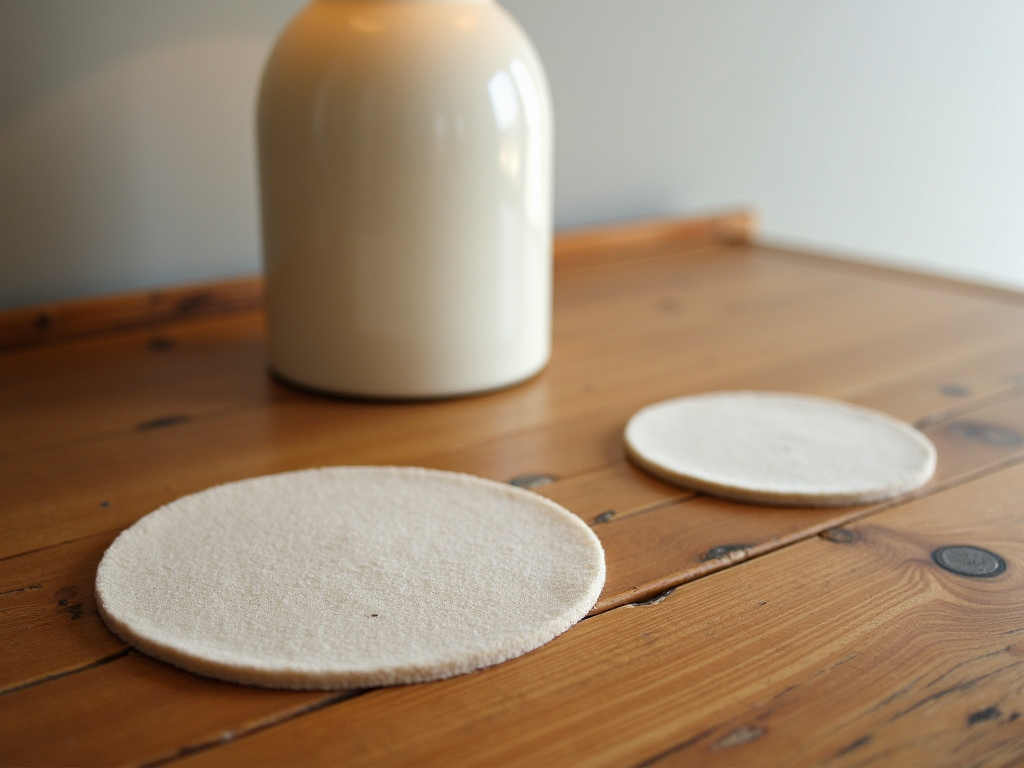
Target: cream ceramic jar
405,153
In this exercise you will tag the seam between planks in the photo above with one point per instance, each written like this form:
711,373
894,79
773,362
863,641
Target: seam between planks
330,700
123,653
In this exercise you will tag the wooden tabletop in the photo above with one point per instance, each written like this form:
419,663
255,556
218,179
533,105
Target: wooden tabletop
727,634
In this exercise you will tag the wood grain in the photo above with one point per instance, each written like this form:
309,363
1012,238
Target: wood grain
132,380
684,322
133,710
823,636
50,622
72,319
841,652
733,340
657,536
41,324
623,241
719,665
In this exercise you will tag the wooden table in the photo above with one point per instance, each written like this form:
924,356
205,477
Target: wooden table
727,634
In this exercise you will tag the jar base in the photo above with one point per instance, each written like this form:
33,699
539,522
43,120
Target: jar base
374,397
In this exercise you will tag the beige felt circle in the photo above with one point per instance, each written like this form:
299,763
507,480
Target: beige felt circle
780,448
349,577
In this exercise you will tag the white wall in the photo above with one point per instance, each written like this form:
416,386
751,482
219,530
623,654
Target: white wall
886,129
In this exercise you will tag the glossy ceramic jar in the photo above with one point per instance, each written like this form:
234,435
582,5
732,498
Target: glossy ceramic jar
405,152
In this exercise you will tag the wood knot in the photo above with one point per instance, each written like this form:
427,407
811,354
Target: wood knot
163,421
983,715
658,598
67,603
724,552
954,390
743,735
531,481
839,536
604,517
160,344
990,434
965,560
186,305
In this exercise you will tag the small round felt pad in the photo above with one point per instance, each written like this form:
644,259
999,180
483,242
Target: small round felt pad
780,448
349,577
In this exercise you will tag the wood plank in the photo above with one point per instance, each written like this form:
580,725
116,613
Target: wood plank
72,319
656,537
658,549
163,306
858,265
134,710
98,429
706,535
291,431
135,679
126,380
499,441
926,397
49,623
156,466
622,241
944,390
43,638
849,651
701,308
54,394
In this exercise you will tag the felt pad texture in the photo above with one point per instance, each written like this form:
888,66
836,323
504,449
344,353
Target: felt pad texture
780,448
348,577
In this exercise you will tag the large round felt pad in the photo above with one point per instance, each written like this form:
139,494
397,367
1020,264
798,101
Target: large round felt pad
349,577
